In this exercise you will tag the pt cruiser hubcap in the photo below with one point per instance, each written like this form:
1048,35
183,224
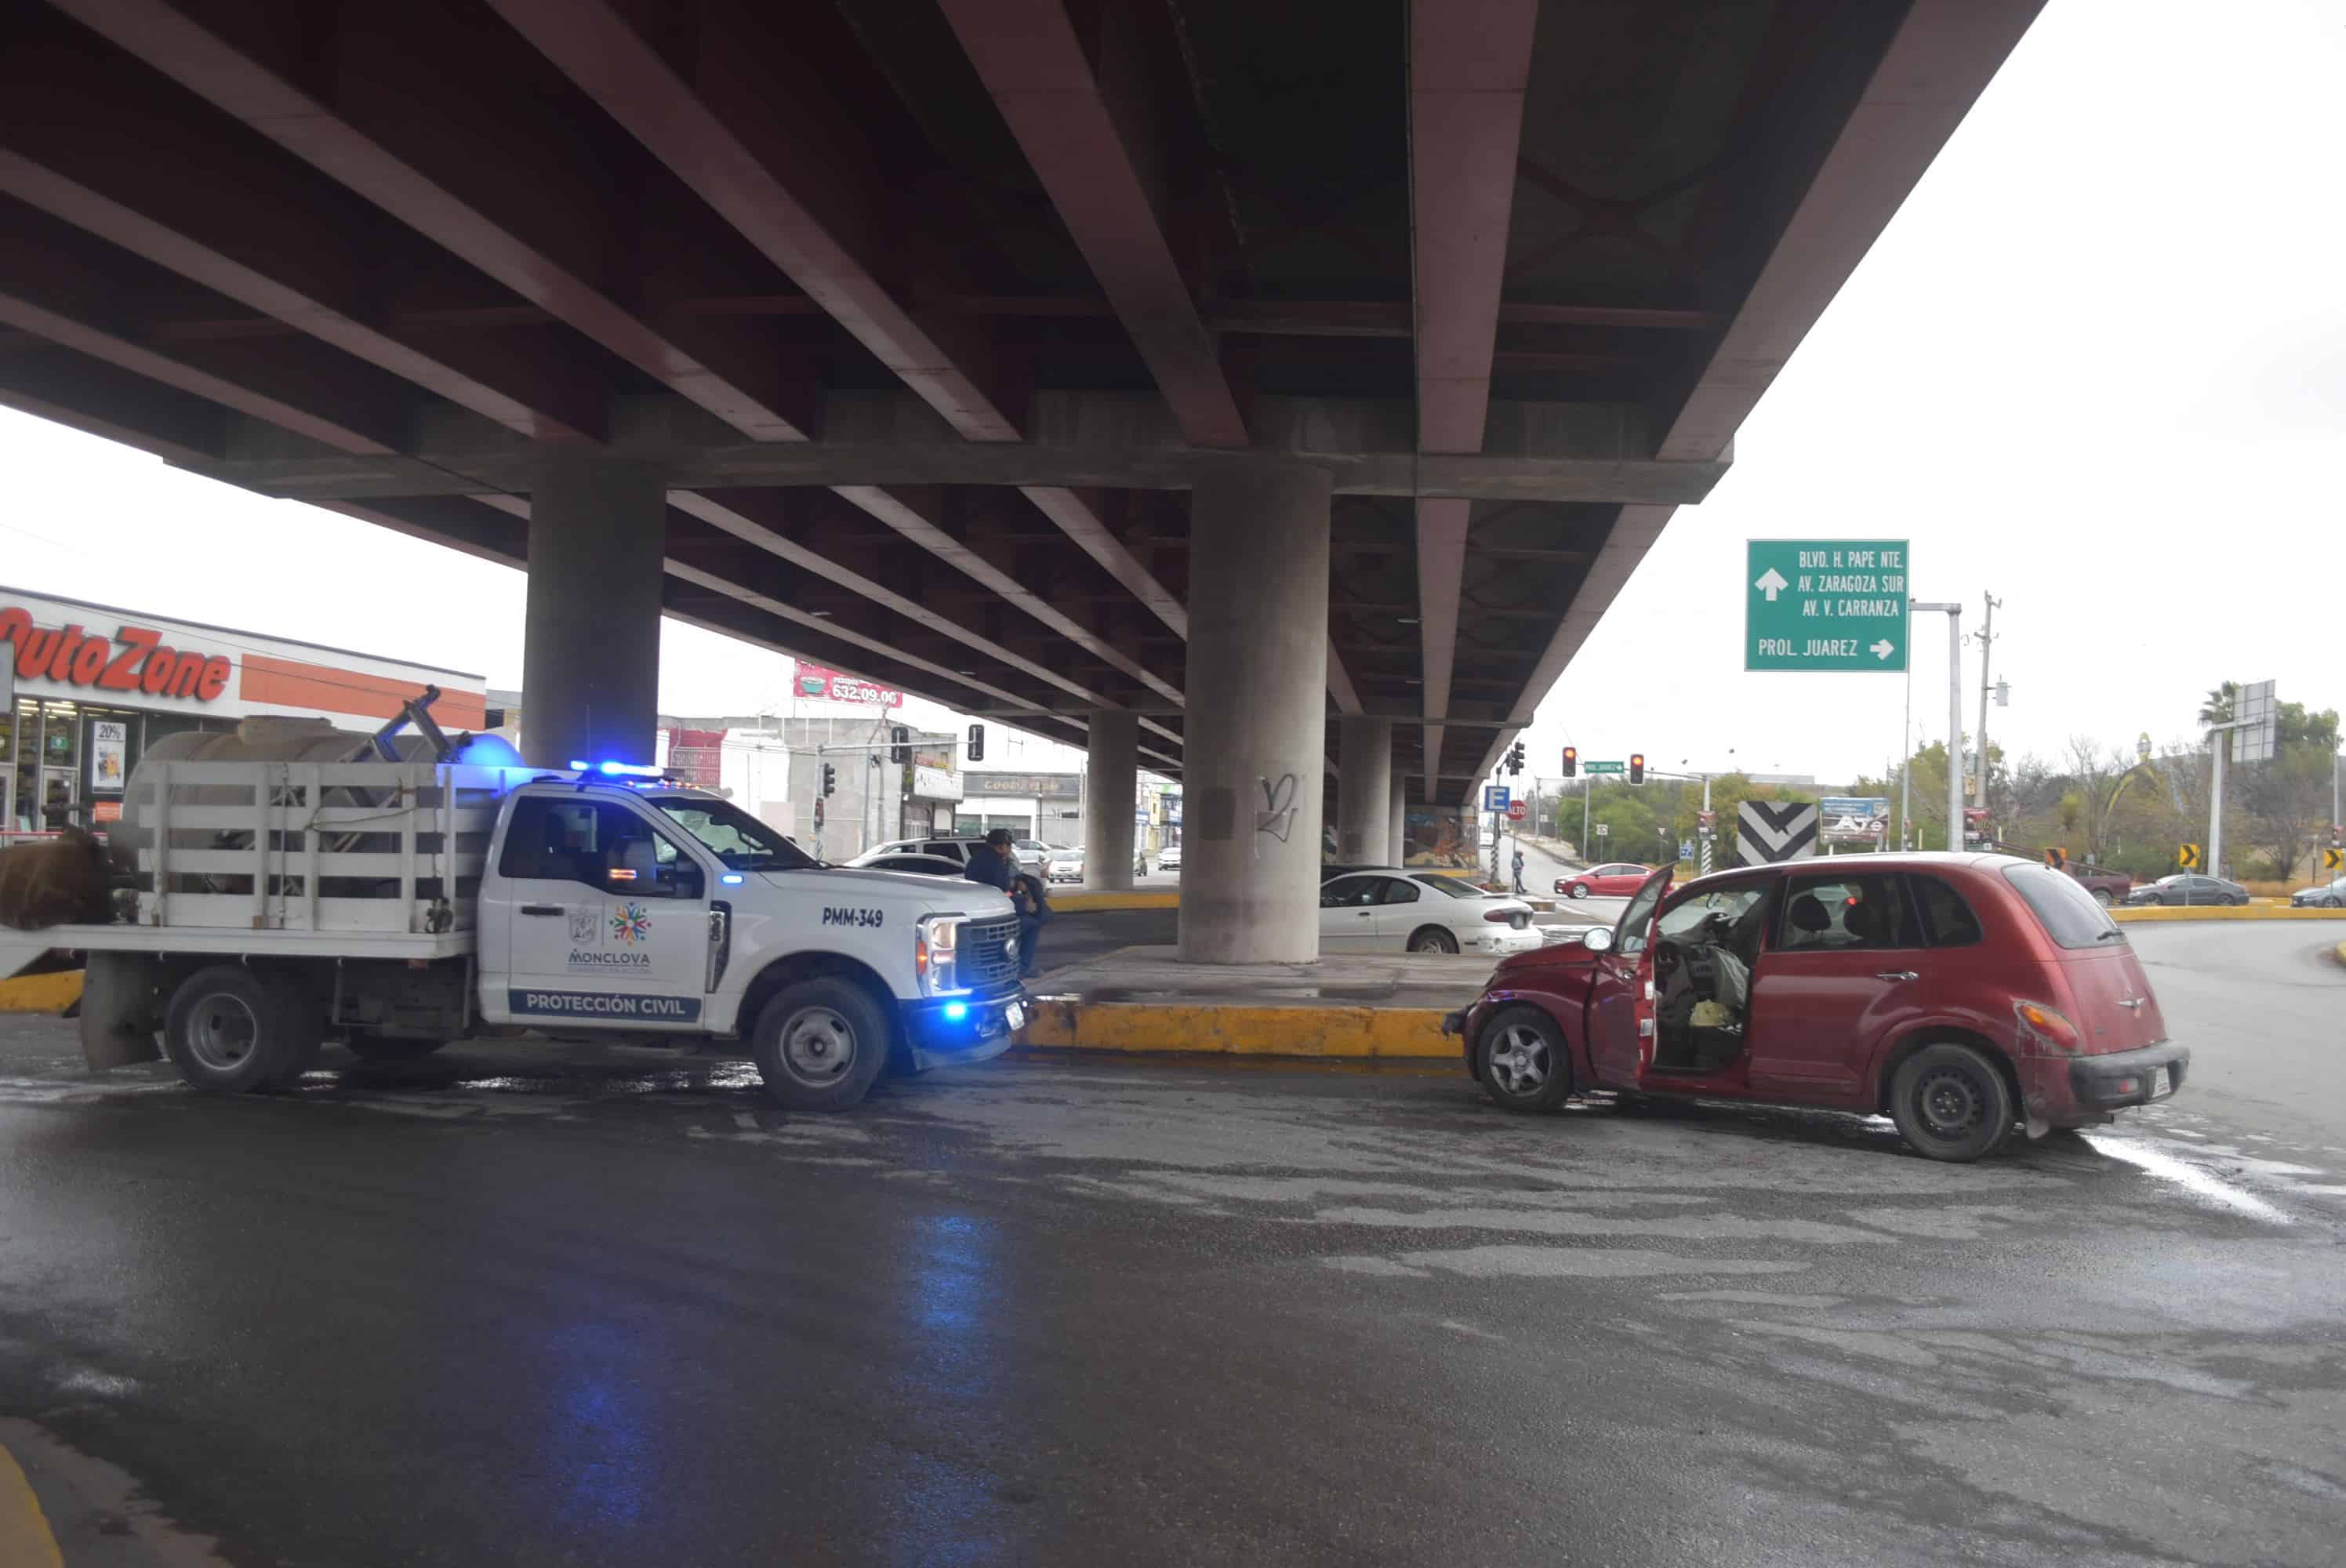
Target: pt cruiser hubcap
1519,1060
1950,1103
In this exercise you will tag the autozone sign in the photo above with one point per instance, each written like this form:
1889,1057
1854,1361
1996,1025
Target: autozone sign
132,660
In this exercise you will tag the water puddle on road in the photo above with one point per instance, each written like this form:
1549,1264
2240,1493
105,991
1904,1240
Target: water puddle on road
2203,1185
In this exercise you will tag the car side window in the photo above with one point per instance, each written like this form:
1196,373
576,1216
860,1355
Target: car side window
1400,890
1630,937
575,841
1834,914
1947,920
1729,906
1349,892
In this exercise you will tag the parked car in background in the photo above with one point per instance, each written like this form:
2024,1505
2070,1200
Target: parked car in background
2188,888
2324,896
2107,887
1066,866
1617,880
1392,909
955,849
1168,859
924,865
1962,995
1034,855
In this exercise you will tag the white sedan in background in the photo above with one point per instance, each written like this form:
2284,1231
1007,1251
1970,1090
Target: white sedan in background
1168,859
1400,911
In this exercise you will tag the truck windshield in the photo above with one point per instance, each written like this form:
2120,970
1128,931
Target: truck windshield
734,836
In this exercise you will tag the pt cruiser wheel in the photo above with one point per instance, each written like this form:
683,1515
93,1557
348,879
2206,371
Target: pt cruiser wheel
1951,1102
1522,1061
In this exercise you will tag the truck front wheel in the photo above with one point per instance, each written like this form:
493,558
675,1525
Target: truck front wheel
230,1030
820,1043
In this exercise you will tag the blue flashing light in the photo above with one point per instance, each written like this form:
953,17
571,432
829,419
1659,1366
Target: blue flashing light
619,770
730,879
956,1010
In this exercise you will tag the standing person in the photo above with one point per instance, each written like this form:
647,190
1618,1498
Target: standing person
1034,906
993,863
1519,868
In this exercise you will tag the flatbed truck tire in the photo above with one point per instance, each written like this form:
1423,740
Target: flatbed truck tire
821,1043
231,1030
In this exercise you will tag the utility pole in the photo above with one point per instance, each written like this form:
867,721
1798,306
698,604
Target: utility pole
1979,736
2223,739
1906,839
1954,613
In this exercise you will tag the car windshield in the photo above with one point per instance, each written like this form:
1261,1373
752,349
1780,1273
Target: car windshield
734,836
1453,886
2066,911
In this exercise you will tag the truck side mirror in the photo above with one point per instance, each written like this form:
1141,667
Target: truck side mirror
638,871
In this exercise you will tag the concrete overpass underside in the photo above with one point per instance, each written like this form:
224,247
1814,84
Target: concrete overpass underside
916,336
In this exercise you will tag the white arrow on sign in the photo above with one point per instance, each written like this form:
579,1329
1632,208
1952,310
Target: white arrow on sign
1771,584
1884,648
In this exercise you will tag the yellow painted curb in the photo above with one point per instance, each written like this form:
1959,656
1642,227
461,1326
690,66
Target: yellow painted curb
1241,1030
1075,902
51,993
24,1538
2220,911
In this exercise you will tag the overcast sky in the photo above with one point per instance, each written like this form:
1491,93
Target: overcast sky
2096,366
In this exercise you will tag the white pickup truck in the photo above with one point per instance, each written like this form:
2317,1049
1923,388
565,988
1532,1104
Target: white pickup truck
401,905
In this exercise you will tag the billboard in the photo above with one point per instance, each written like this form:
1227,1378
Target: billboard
820,683
1855,819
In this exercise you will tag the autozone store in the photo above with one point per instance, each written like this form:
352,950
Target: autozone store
95,684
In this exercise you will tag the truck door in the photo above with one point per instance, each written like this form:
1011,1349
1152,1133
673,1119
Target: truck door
606,918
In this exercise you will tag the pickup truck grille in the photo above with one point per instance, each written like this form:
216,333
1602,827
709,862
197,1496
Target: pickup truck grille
985,956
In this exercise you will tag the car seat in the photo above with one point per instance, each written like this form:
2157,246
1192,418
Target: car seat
1808,918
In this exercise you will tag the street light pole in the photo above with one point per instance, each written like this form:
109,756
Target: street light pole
1954,613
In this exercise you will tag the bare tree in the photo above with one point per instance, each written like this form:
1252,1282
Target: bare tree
2096,771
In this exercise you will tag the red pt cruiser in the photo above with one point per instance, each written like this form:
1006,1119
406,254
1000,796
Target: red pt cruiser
1961,995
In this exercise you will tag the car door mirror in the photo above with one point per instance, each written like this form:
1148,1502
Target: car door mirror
1598,938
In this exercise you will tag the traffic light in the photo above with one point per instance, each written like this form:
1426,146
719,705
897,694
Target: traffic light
899,746
830,778
1571,760
975,750
1516,760
1636,768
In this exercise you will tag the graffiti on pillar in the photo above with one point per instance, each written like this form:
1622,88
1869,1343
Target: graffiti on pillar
1277,814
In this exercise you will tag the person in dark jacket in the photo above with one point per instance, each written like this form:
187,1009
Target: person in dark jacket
992,863
1034,907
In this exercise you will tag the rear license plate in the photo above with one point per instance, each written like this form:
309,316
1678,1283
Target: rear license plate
2162,1081
1015,1017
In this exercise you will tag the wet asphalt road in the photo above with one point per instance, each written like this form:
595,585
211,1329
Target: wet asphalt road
608,1307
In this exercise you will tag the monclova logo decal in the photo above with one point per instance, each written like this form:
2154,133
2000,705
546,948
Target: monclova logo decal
626,929
134,659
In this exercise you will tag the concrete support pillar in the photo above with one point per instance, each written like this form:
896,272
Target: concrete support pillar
1397,834
1255,721
590,643
1111,772
1363,789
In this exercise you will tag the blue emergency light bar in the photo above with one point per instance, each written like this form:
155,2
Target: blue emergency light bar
619,770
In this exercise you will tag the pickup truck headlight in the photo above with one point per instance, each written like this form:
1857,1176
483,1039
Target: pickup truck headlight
936,951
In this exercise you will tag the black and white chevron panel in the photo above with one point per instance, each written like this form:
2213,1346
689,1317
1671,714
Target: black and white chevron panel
1767,833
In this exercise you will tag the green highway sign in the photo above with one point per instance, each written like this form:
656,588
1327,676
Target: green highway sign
1605,768
1824,604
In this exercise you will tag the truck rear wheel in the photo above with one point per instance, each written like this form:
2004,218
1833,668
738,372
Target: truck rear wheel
230,1030
820,1044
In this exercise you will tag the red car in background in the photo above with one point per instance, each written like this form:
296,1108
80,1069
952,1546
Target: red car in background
1961,995
1617,880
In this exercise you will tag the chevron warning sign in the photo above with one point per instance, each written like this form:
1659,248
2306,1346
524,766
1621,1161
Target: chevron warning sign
1766,832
